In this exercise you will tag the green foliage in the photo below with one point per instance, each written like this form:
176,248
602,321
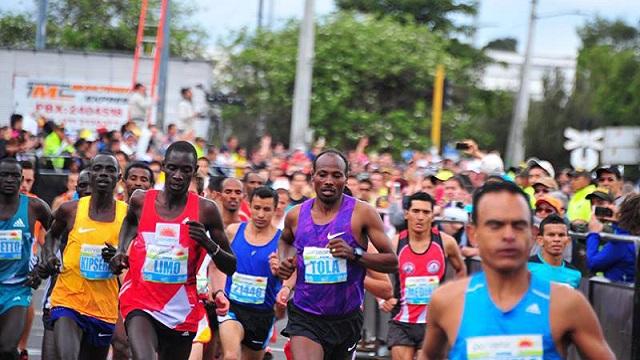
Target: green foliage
371,77
101,25
505,44
16,30
436,14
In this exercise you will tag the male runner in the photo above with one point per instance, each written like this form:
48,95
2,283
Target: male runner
324,241
251,180
138,175
252,290
231,198
83,188
84,301
18,215
158,299
422,259
505,311
549,262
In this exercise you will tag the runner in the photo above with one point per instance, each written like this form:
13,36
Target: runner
231,199
245,329
505,311
325,316
84,301
549,263
18,214
137,175
158,299
83,188
422,258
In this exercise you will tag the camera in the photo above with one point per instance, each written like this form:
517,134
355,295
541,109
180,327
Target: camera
462,146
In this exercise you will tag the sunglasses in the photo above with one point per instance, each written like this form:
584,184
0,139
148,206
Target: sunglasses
545,210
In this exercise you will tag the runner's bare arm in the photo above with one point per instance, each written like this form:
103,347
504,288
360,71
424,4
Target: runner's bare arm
129,228
583,327
377,283
41,211
286,250
50,263
452,251
434,345
386,260
220,250
218,279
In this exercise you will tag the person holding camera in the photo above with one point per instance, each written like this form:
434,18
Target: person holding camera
616,259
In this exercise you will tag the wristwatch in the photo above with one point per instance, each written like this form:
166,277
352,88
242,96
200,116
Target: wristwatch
357,253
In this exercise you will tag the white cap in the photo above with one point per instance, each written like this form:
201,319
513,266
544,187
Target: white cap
280,184
545,165
492,164
454,214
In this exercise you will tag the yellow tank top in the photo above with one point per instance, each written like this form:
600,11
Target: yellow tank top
85,284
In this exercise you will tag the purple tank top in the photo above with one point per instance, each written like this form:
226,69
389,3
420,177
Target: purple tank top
327,286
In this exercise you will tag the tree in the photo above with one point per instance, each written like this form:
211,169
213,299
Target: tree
504,44
436,14
371,76
100,25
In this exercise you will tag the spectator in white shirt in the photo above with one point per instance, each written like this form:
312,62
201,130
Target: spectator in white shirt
187,114
139,104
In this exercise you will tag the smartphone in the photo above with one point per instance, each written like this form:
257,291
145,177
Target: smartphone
397,189
462,146
603,212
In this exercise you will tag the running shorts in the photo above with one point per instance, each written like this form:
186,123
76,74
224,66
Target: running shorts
96,332
257,325
167,337
405,334
338,335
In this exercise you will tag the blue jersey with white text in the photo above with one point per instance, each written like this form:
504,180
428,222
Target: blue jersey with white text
16,242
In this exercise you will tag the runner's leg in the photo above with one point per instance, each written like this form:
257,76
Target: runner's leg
90,352
197,350
179,349
231,335
119,342
48,344
402,352
142,338
22,345
248,354
305,348
11,325
68,337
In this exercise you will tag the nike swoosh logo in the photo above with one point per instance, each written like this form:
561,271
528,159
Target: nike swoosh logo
352,348
331,236
256,342
103,335
85,230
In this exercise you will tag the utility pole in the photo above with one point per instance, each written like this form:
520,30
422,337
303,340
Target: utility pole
260,13
302,90
436,112
41,31
515,145
164,67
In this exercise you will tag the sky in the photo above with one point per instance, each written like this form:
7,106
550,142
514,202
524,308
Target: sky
554,35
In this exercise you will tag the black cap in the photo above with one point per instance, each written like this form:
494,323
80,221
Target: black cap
611,169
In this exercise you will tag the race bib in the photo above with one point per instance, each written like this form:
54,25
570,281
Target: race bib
165,264
418,289
92,266
505,347
320,267
10,244
167,234
248,289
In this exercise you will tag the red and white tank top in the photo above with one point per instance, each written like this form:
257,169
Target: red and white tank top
418,276
163,263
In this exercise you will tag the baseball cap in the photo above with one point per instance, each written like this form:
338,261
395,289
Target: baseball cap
548,182
492,164
443,175
601,193
580,172
551,201
543,164
611,169
454,214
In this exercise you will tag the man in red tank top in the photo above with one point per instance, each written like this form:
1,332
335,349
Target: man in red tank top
422,252
172,231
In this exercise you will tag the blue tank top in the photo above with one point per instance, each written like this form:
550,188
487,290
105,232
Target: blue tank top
253,285
566,273
487,332
326,285
16,242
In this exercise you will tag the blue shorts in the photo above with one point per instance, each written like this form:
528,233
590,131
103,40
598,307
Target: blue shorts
96,332
14,295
